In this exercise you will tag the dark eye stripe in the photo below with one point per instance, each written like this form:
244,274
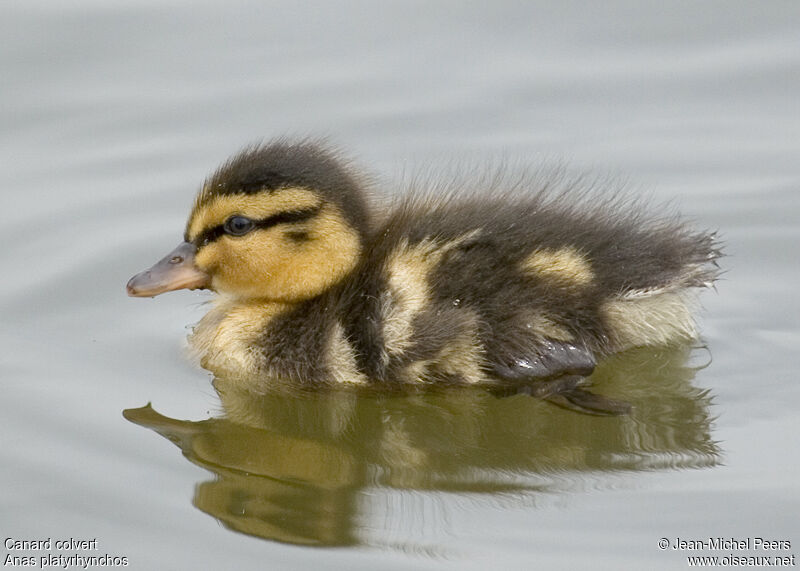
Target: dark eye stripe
215,233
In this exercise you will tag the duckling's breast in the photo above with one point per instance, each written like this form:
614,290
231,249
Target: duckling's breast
226,339
258,343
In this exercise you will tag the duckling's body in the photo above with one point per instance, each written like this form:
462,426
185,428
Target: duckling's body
509,287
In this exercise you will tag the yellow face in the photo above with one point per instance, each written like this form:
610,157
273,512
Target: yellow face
282,245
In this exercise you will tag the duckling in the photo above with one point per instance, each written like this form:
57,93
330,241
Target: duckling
519,287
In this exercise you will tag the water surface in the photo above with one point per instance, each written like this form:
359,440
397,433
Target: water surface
112,115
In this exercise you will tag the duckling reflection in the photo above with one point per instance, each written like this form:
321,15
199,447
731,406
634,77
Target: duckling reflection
299,467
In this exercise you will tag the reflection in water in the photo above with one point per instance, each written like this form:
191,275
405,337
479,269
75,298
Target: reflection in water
298,468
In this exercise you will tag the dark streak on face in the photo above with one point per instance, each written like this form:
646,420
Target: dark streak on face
290,216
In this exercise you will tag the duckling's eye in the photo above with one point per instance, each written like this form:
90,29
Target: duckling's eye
238,225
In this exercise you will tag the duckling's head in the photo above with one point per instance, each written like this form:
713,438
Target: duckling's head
280,222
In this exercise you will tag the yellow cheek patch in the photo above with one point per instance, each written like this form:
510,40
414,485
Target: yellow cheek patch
267,264
305,270
206,258
256,206
565,265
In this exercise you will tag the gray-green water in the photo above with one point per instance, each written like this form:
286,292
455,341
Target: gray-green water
112,114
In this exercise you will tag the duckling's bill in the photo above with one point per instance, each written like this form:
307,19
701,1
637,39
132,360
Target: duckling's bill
174,271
